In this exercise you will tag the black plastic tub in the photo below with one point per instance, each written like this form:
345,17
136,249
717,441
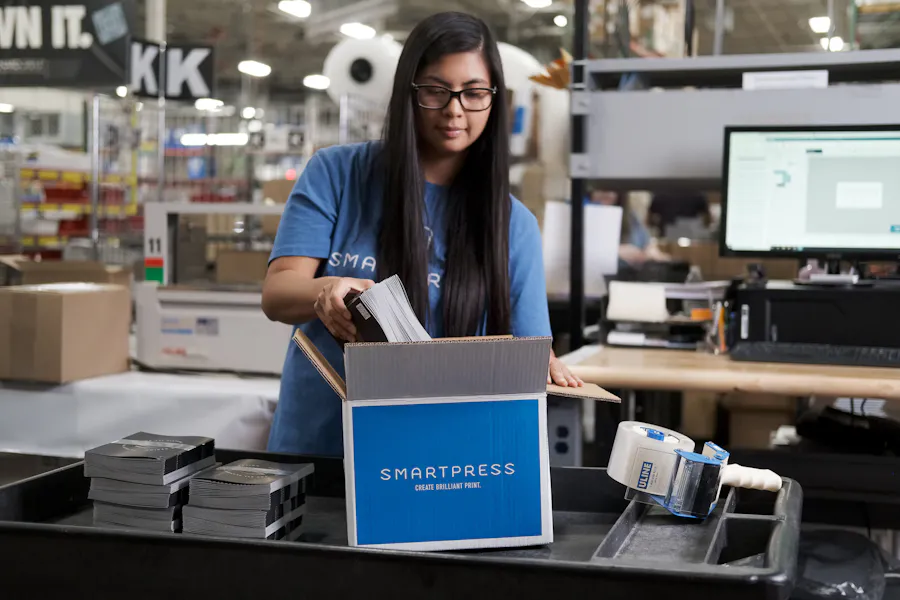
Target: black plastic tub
604,548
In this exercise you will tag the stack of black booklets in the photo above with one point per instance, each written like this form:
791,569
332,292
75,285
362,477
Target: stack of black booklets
141,481
248,499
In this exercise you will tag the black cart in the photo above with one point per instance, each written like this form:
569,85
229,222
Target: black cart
604,548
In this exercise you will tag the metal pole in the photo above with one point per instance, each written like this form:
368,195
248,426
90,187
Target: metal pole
161,128
581,44
720,27
95,177
830,22
343,119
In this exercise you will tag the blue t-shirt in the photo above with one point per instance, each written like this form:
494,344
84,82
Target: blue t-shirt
334,213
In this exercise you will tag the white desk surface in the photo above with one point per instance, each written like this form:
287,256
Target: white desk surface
68,419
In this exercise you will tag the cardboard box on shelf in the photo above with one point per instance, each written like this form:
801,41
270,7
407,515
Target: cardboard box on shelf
277,191
452,460
10,271
705,254
241,266
753,417
64,271
57,333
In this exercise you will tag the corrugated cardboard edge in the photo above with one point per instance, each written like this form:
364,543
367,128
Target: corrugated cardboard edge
590,391
321,364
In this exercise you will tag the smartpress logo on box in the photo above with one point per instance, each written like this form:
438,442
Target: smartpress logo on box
482,470
644,477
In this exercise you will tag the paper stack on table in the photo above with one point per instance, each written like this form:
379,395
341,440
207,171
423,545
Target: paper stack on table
248,499
141,481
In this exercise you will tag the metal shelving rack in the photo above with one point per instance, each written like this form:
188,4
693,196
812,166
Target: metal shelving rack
673,138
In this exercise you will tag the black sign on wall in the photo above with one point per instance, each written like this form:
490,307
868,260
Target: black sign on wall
189,71
55,43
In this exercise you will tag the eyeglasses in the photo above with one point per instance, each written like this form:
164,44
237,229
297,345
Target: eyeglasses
437,97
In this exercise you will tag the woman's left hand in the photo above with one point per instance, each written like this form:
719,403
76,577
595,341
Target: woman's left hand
560,375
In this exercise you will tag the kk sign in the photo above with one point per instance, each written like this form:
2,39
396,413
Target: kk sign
64,44
181,72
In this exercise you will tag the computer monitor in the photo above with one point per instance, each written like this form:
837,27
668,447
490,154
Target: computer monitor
830,192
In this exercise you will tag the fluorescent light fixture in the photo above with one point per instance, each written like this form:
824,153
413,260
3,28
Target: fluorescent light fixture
835,44
820,24
254,68
560,20
193,139
6,108
296,8
214,139
121,91
358,31
248,112
538,3
316,82
210,104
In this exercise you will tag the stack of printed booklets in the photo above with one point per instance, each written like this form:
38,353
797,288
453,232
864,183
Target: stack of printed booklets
248,499
141,481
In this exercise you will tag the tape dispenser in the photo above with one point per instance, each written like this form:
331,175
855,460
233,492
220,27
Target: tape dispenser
659,466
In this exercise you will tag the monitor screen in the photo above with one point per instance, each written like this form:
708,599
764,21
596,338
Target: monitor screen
825,191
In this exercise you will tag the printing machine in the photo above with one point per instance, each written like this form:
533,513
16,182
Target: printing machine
201,326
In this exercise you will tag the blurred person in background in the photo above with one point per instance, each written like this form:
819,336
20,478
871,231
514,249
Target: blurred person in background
636,246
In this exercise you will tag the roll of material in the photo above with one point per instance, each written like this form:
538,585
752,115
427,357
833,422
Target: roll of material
643,456
362,69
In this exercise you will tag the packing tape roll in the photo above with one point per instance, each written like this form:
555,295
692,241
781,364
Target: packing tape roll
643,456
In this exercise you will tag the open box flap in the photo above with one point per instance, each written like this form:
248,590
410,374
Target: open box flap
590,391
321,364
447,368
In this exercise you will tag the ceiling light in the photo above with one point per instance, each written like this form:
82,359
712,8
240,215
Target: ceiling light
254,126
248,113
560,20
210,104
6,108
538,3
358,31
254,68
214,139
295,8
820,24
316,82
121,91
835,44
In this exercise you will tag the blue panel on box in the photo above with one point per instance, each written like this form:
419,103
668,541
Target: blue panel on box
450,471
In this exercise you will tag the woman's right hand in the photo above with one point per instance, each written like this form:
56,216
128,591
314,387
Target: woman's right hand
330,306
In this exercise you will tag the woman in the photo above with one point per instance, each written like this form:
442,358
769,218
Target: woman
430,203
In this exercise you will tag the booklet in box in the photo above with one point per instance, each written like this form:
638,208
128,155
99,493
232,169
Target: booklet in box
445,442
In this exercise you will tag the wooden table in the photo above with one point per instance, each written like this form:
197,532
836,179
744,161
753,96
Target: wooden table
675,370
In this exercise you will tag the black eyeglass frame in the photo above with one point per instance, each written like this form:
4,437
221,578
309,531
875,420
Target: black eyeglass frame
458,95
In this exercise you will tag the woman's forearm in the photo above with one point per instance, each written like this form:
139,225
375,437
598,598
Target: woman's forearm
289,296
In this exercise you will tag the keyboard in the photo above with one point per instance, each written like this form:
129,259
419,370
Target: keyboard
816,354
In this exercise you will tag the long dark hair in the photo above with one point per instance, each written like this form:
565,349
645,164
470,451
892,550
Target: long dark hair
475,284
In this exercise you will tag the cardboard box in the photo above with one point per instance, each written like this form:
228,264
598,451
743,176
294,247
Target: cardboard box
753,417
241,266
445,442
10,268
705,254
65,271
277,191
63,332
